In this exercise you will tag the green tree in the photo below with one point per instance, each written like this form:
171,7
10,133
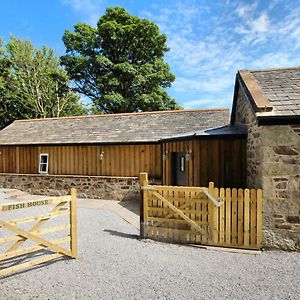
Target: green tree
120,64
33,85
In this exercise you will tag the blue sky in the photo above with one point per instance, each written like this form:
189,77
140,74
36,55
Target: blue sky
209,40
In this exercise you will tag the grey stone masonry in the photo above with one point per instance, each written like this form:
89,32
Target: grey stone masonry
273,164
97,187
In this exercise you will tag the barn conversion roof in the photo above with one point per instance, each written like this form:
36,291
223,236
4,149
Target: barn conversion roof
110,129
274,94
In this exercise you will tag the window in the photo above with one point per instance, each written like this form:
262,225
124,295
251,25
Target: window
43,163
182,163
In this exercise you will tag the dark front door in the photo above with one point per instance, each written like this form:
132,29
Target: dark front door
179,168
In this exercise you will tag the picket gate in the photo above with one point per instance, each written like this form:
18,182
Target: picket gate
202,215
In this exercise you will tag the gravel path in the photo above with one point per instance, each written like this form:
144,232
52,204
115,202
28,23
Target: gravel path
114,264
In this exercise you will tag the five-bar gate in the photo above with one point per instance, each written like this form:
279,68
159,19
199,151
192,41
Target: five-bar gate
64,206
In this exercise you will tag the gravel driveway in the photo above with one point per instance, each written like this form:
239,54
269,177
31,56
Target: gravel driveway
114,264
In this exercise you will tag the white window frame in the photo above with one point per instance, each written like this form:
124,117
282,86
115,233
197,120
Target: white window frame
40,163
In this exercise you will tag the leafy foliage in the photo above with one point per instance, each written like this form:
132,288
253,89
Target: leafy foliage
120,64
33,85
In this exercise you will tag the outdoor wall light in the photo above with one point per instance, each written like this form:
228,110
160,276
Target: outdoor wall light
101,155
188,154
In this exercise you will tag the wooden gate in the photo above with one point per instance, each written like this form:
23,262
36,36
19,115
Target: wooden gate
209,216
63,206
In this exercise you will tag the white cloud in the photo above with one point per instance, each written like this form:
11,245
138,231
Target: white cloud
206,103
243,10
275,60
210,41
89,9
260,24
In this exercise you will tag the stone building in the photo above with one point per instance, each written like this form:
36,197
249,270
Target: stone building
268,102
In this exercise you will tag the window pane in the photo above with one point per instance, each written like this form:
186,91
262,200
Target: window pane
43,167
182,163
44,159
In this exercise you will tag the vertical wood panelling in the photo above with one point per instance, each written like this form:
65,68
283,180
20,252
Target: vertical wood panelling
222,161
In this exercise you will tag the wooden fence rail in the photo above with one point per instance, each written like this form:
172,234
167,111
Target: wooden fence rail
210,216
21,236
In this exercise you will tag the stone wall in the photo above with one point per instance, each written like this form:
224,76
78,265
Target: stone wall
281,184
97,187
273,164
245,115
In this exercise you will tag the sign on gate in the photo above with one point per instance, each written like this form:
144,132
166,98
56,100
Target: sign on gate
63,206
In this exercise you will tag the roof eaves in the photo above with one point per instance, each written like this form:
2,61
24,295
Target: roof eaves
277,120
254,92
239,130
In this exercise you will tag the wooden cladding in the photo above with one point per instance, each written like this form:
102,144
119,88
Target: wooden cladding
116,160
222,161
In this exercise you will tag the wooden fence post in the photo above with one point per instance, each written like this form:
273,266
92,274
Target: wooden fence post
143,182
213,212
73,222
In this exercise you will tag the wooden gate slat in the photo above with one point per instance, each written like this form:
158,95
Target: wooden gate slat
228,217
259,218
32,263
222,212
240,217
246,217
253,212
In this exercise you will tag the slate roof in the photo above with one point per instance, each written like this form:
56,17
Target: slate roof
274,94
115,128
282,87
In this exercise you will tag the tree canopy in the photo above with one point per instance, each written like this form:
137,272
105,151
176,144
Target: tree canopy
33,85
120,64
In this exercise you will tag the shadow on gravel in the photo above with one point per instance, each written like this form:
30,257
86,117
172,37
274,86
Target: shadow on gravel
43,265
132,205
122,234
